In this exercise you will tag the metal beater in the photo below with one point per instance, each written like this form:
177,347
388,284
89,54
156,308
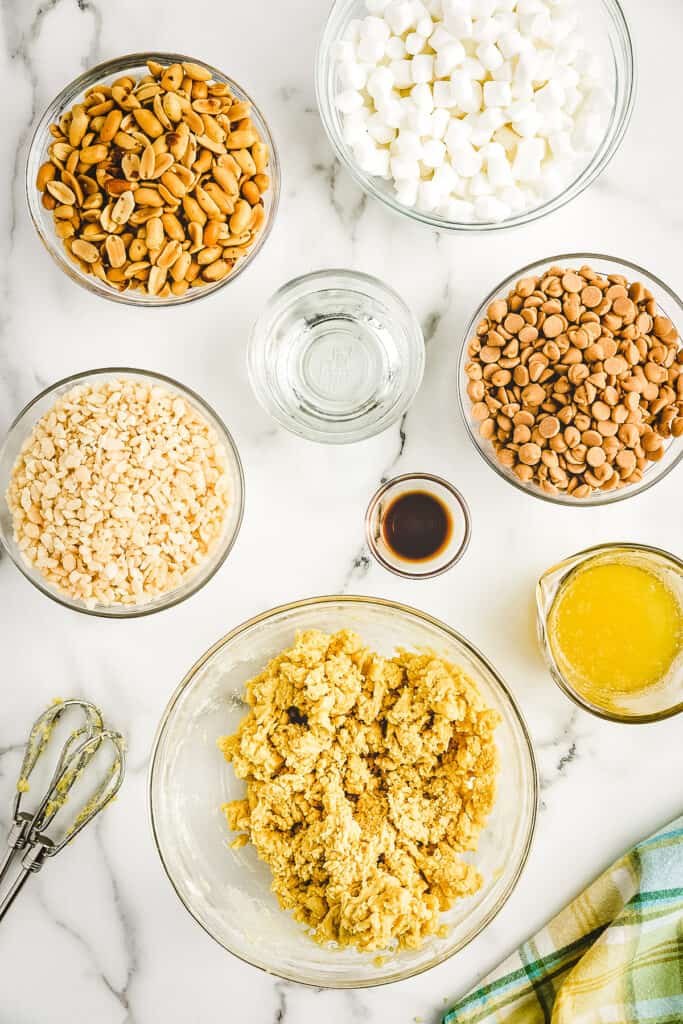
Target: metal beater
28,839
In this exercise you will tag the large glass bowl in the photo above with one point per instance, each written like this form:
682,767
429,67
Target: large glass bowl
669,304
136,64
228,891
21,429
609,35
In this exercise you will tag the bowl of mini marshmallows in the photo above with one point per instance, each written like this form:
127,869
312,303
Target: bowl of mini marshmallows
571,379
121,492
475,114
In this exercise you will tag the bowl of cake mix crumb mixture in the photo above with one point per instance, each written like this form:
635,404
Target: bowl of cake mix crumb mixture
343,792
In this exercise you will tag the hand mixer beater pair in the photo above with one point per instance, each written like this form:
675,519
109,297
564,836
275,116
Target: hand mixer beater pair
28,840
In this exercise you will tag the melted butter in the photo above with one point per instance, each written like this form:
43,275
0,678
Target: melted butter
615,627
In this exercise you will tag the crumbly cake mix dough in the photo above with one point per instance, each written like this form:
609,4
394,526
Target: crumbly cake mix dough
367,779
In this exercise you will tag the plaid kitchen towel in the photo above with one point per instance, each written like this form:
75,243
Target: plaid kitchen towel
613,956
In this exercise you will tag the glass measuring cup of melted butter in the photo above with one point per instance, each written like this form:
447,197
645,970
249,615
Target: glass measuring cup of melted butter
610,624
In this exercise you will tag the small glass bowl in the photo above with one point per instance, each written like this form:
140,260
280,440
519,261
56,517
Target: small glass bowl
336,356
21,429
608,26
447,556
228,891
136,64
670,305
651,705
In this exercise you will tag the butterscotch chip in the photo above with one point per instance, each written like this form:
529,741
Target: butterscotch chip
595,456
513,323
367,779
572,282
497,311
553,326
549,426
591,296
530,454
533,394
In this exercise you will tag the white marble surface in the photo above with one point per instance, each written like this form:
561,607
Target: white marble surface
100,936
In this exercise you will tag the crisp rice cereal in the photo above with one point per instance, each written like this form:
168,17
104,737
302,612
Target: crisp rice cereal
367,779
119,493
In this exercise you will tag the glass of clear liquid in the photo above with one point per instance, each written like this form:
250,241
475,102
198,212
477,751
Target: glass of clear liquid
336,356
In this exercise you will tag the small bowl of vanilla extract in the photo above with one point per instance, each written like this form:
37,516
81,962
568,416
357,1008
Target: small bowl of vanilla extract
417,525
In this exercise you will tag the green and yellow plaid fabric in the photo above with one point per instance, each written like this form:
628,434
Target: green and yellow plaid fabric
613,956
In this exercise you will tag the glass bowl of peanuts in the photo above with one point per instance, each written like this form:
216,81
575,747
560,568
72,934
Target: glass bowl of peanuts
121,492
571,379
153,179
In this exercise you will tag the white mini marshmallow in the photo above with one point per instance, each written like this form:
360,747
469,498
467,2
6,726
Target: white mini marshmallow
371,50
468,93
446,178
573,99
473,68
440,37
561,145
425,26
498,166
415,43
374,28
444,95
510,43
489,208
379,129
461,25
483,8
551,123
440,121
497,94
380,84
514,197
448,58
458,134
486,30
527,66
391,110
422,96
364,151
527,162
349,100
588,131
466,160
490,56
408,145
504,73
568,50
428,196
354,126
528,125
353,75
395,48
433,153
402,73
422,68
400,17
343,51
402,167
417,121
459,211
480,185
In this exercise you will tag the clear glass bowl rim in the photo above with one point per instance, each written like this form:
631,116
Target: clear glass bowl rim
417,477
611,142
554,669
203,405
430,620
255,353
608,497
67,95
